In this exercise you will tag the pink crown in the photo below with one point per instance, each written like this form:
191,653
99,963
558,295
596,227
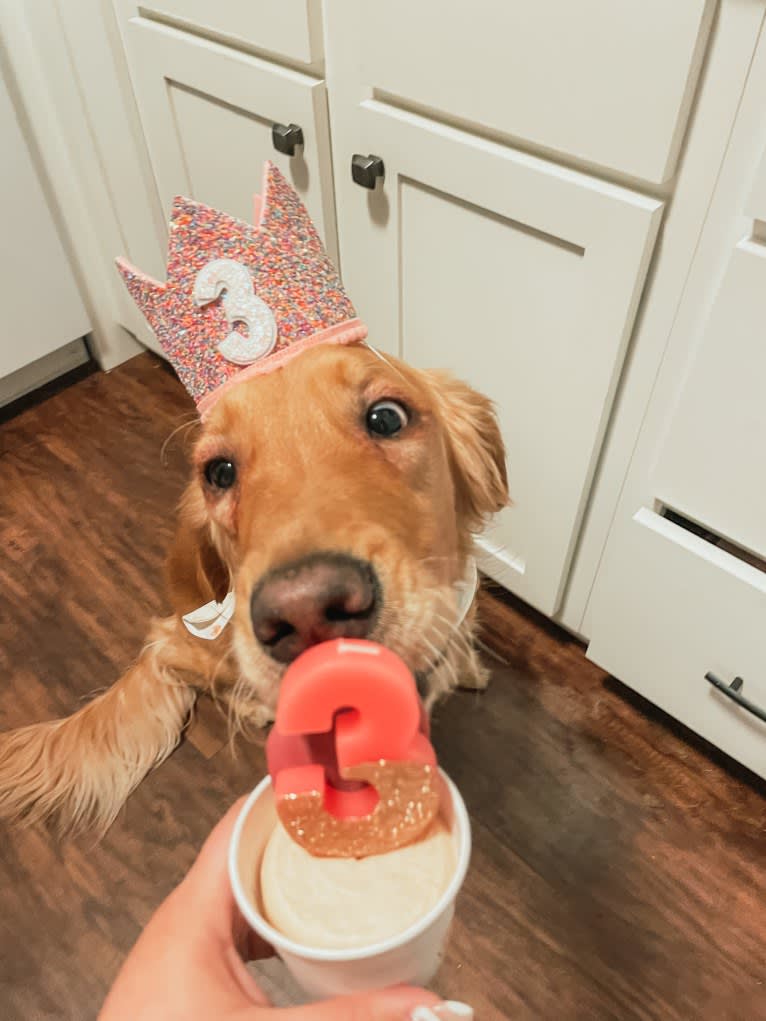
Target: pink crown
274,278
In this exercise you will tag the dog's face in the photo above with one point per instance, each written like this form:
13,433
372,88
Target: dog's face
339,495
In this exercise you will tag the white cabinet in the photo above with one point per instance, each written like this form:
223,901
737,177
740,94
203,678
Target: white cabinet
207,111
519,275
290,29
41,306
607,82
682,589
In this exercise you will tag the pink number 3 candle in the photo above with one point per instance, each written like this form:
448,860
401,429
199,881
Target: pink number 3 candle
353,773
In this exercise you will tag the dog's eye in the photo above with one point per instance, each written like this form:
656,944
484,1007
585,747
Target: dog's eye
220,473
386,418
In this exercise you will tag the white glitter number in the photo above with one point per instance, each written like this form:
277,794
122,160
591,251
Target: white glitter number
241,305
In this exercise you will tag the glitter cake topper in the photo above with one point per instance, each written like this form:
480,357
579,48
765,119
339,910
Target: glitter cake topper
242,300
349,712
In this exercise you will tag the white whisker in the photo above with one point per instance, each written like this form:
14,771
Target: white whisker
184,425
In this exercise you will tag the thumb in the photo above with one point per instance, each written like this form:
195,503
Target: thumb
403,1003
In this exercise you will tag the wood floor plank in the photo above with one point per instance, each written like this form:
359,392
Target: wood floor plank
618,867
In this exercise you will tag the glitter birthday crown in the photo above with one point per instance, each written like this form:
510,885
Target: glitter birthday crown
241,300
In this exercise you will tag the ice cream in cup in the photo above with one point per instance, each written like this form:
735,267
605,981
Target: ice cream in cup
349,857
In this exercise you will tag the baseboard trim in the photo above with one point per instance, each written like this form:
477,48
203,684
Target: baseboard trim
21,382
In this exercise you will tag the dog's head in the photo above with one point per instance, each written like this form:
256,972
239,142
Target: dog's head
338,496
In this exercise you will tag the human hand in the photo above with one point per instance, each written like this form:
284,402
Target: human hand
188,963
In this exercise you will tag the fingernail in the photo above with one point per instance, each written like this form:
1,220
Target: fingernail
450,1010
454,1009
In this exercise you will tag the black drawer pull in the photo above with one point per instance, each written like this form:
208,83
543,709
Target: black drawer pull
365,170
286,137
734,692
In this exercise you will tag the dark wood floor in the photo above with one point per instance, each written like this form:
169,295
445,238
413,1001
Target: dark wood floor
618,870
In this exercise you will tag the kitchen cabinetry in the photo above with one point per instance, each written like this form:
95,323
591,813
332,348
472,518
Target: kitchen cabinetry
208,111
682,590
43,313
519,275
562,203
497,242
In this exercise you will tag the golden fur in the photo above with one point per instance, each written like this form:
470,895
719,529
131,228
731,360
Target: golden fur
310,479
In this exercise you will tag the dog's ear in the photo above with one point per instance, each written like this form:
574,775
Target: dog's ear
196,572
476,448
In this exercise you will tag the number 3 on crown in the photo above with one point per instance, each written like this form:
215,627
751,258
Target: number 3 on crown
240,303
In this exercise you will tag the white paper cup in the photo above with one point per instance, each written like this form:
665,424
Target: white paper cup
412,957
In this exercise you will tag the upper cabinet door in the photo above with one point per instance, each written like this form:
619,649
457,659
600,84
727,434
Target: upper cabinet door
291,29
520,276
208,111
607,82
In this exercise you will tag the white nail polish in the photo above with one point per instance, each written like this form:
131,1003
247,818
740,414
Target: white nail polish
454,1009
450,1010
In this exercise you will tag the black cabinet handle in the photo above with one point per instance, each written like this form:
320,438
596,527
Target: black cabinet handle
734,692
365,170
286,137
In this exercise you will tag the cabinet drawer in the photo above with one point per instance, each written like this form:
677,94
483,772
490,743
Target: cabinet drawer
685,607
286,28
207,113
607,81
518,275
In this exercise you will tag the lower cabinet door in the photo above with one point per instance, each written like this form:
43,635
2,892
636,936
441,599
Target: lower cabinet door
519,275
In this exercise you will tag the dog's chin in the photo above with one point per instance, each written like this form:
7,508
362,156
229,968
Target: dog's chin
418,628
265,673
253,699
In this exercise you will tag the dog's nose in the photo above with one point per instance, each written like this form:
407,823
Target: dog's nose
324,596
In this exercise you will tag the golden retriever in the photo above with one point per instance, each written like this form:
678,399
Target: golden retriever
335,497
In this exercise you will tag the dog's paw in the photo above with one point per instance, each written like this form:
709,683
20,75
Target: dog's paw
247,716
476,677
262,716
